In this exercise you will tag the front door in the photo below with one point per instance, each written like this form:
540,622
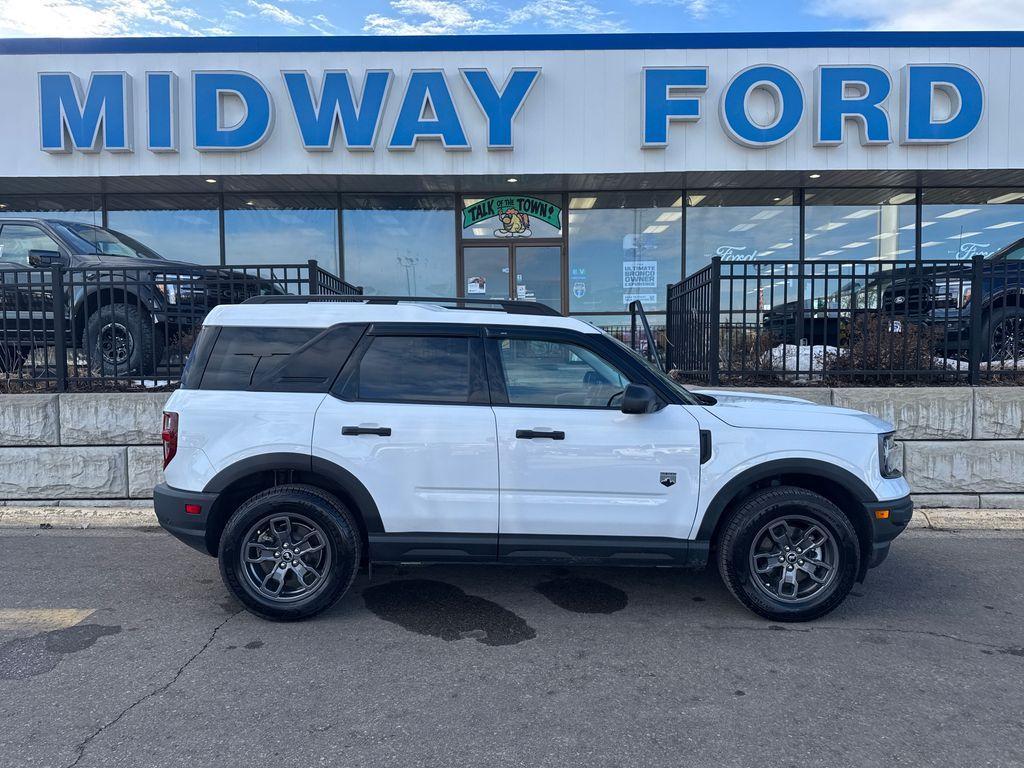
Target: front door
528,272
578,476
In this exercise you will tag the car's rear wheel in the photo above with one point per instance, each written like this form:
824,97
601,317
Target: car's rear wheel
290,552
120,340
788,554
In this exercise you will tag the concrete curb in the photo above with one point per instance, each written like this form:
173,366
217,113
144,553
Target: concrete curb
143,517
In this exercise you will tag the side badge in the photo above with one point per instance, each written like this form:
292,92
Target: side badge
668,479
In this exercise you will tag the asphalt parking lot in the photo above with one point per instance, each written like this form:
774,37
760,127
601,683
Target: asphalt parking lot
122,648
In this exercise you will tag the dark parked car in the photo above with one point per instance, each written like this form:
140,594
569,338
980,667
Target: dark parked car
123,303
936,296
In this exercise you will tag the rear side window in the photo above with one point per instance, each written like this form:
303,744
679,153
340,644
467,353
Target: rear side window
419,369
240,355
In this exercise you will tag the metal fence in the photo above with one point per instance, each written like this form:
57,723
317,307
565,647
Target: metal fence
105,328
858,322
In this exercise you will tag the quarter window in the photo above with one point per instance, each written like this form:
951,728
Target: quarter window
420,369
544,373
241,354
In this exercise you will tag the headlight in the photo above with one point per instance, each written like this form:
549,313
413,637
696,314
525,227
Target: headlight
176,288
887,453
955,293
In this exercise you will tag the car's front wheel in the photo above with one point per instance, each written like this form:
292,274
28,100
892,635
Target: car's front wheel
290,552
788,554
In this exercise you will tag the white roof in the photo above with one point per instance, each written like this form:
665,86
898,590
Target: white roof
326,313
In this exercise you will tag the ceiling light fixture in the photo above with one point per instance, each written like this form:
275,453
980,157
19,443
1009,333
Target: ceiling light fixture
511,179
814,176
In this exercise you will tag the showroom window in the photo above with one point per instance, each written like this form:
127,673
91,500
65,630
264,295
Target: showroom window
622,247
178,227
402,245
84,209
281,229
959,223
740,226
859,224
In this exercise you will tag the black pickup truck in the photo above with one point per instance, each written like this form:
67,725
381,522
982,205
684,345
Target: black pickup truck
936,296
122,303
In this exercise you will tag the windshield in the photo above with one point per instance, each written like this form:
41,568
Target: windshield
85,238
687,396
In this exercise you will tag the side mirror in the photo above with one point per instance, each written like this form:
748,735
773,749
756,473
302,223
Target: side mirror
46,259
639,398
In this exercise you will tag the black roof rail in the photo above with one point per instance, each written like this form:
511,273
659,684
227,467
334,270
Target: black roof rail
510,306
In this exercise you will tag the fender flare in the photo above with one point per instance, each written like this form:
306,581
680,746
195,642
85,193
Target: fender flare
338,476
725,496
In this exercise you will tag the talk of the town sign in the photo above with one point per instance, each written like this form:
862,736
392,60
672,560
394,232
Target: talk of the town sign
96,112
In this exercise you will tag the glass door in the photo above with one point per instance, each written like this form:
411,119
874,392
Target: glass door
486,269
524,272
539,274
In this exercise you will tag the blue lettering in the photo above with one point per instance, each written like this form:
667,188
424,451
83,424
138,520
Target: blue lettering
789,105
920,82
500,108
162,103
210,132
318,119
68,120
663,105
834,107
427,90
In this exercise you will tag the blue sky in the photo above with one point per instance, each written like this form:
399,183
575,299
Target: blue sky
88,18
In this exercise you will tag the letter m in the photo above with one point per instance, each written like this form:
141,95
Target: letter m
98,118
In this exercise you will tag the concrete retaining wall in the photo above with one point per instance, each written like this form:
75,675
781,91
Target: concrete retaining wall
962,447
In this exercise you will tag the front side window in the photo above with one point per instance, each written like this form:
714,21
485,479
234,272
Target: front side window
543,373
16,240
419,369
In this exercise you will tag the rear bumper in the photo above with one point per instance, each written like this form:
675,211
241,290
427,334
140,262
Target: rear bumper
885,529
169,504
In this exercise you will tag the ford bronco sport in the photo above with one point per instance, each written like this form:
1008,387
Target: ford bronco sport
315,434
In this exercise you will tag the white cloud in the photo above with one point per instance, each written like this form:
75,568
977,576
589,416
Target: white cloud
95,18
926,15
698,9
446,17
276,13
566,15
424,17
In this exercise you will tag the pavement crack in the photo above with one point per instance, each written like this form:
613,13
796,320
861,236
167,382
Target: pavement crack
81,748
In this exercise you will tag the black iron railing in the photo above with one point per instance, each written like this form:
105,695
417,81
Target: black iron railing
125,327
861,322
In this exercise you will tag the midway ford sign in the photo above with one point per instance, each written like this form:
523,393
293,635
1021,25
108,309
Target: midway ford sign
461,112
95,114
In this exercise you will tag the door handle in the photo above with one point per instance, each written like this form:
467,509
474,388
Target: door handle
531,434
379,431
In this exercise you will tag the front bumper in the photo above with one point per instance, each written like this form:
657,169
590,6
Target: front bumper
169,504
886,528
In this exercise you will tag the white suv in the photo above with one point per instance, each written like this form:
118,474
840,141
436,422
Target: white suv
312,436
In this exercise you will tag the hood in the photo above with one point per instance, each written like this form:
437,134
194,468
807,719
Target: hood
756,411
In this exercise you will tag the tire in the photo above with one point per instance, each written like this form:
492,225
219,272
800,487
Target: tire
793,589
1003,333
313,514
120,340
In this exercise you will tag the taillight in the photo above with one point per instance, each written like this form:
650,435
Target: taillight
169,436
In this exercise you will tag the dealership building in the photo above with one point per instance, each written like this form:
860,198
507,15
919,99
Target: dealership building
581,171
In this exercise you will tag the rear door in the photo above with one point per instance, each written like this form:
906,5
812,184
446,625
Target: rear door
26,300
410,418
578,477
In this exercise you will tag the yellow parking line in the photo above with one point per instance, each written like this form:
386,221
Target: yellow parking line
41,619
